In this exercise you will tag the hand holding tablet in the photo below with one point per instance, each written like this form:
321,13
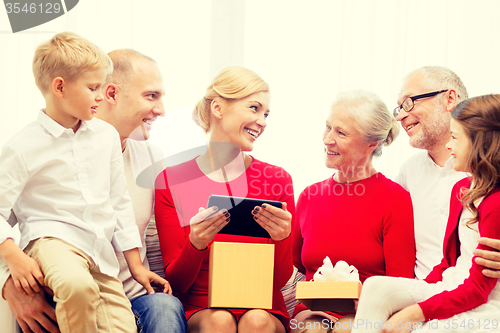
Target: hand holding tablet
206,224
254,217
276,221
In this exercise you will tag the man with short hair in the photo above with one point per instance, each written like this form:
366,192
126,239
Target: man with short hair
132,102
425,102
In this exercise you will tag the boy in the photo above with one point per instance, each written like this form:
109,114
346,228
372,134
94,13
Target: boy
70,197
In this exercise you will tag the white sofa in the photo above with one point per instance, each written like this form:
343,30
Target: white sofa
7,320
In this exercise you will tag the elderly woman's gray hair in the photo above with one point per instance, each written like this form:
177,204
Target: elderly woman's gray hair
371,117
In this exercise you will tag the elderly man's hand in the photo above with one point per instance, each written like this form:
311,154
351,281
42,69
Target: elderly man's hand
489,259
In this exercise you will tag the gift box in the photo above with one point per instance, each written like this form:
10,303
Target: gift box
328,295
241,275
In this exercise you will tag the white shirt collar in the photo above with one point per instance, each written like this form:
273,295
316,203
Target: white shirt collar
56,129
447,165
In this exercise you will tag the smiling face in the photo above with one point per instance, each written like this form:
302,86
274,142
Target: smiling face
240,122
427,124
344,145
140,101
459,146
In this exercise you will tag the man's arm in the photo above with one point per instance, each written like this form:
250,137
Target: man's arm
489,259
31,312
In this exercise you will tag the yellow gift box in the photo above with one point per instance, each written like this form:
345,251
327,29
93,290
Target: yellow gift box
241,275
328,295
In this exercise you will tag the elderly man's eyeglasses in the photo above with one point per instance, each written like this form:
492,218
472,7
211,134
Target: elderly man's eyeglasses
408,104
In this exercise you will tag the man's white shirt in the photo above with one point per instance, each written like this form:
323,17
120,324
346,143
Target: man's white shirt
430,188
139,157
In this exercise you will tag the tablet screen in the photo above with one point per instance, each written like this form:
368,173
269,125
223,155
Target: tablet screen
242,222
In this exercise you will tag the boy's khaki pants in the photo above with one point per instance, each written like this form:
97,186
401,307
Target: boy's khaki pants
87,300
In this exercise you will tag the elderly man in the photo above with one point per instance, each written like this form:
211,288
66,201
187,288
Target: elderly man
426,99
132,102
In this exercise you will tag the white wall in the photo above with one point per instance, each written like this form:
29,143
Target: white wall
307,51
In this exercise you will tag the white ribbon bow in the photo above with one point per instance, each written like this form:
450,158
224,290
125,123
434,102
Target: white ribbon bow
341,272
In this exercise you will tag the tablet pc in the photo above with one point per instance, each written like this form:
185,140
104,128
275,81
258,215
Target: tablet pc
242,222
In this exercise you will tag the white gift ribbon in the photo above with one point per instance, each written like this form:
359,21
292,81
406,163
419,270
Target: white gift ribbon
341,272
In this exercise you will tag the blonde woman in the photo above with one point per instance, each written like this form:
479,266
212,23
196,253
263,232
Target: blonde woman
233,115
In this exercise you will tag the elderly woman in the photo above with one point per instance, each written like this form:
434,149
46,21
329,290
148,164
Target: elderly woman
356,215
233,113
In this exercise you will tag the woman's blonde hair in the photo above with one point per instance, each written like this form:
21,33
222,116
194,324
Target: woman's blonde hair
230,84
371,117
480,118
67,55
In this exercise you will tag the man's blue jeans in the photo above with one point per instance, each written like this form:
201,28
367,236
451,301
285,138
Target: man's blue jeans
159,312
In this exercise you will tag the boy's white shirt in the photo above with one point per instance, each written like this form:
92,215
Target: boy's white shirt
91,208
137,157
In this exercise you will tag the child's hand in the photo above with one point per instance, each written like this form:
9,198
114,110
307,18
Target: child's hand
143,275
24,270
25,273
146,278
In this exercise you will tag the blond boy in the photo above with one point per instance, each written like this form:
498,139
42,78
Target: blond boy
65,184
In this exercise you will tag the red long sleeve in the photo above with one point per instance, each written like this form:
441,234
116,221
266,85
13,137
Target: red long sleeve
368,224
475,290
180,191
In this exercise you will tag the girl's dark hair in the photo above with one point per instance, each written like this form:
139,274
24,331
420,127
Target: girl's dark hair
480,118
